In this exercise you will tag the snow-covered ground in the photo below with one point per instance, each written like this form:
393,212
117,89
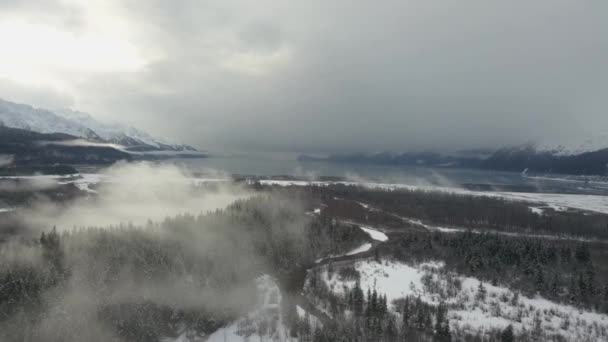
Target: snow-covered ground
498,232
374,233
468,311
597,180
501,308
537,211
558,202
582,202
430,227
313,321
555,201
363,248
85,181
265,323
395,280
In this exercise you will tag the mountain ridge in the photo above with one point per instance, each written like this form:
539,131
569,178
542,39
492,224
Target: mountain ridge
29,148
530,157
83,125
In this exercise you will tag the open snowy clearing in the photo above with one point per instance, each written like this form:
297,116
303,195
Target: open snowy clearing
498,308
395,280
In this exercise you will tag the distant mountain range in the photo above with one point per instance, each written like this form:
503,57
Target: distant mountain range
408,158
36,140
589,144
43,136
84,126
588,158
50,152
531,158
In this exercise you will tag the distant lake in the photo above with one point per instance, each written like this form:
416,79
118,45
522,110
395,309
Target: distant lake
416,175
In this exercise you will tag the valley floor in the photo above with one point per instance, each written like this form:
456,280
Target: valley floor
477,304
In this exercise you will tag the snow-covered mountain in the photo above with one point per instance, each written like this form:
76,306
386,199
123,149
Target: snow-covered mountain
584,159
131,137
81,125
588,144
26,117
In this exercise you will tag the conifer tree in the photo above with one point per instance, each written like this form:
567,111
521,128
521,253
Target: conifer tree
481,292
406,313
507,334
442,325
358,300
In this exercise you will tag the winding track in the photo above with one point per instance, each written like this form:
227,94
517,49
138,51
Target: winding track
298,282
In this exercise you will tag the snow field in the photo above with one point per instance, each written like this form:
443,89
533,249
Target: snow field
469,311
375,234
556,201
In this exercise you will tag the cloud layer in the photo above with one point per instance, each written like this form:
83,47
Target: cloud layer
236,75
134,194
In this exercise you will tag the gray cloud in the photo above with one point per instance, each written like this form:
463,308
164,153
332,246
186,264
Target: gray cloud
57,12
44,97
129,194
360,76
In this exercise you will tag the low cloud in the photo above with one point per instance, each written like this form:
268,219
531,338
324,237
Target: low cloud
5,160
171,260
319,77
135,193
81,142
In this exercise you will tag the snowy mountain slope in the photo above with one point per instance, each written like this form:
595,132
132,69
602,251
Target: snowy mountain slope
42,121
574,147
81,125
588,144
118,134
585,159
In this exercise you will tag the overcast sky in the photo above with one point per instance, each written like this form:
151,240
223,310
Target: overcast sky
317,76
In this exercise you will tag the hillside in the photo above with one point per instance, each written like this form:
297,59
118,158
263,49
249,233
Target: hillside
84,126
590,158
27,148
528,157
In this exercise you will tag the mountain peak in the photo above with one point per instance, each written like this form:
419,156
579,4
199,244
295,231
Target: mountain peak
588,144
82,125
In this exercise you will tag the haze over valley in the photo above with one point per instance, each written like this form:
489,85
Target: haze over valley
186,171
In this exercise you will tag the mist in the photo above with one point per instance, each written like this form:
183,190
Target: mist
81,142
153,249
345,170
5,160
134,193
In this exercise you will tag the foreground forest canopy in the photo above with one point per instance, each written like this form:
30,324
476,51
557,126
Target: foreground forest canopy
348,263
142,283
